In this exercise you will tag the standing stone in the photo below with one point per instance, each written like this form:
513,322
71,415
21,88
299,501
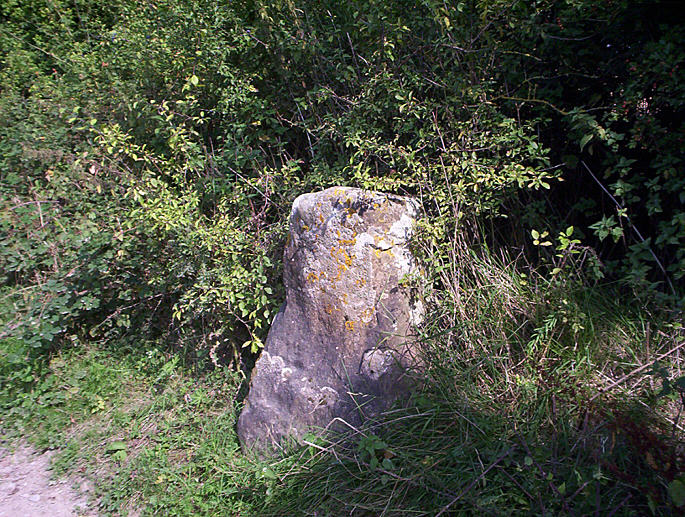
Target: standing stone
340,347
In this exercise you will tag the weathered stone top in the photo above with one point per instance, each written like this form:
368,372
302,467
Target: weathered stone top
340,346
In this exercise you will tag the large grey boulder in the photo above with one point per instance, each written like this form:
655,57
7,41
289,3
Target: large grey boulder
341,346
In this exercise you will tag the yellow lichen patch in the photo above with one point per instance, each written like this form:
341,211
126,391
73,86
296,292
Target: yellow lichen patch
344,298
321,218
312,276
349,325
347,242
345,261
366,315
361,282
329,309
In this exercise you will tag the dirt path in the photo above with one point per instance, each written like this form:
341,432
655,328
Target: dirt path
26,489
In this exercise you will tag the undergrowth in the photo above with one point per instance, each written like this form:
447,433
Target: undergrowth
538,396
513,418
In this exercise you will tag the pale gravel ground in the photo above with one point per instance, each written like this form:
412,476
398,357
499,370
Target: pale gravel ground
26,489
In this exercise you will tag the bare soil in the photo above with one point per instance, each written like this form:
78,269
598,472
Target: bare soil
27,490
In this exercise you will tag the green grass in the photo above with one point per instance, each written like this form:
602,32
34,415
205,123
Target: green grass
510,418
506,423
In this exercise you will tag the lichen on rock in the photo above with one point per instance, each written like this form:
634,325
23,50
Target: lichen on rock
341,346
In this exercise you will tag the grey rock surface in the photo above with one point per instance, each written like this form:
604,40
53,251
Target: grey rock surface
341,346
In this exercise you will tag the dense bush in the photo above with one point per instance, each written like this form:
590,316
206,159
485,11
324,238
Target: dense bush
149,152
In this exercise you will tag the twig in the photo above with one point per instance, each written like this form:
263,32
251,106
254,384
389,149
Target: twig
625,500
263,194
580,489
472,483
570,39
652,410
34,46
36,202
306,130
495,18
634,228
40,214
517,484
541,101
636,371
354,54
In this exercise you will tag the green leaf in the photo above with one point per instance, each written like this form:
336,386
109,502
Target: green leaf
268,473
194,80
119,456
528,461
584,141
679,383
571,161
115,446
676,489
